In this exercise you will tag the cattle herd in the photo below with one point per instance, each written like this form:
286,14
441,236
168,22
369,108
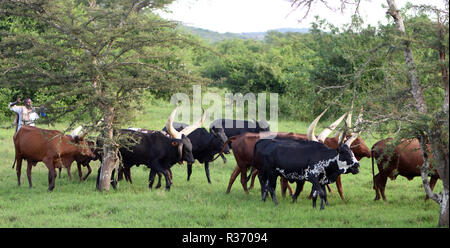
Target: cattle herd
294,157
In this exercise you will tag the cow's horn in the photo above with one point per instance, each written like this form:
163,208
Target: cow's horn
189,129
324,134
169,126
312,126
351,139
76,131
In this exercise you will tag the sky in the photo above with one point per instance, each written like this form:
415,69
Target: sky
237,16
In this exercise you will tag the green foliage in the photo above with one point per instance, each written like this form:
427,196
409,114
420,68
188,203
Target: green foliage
89,58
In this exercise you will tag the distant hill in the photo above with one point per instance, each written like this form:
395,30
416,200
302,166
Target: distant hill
213,36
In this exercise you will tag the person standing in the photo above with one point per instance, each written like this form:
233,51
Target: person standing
26,115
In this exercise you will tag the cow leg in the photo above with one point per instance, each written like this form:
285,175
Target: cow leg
166,176
97,183
88,173
18,168
264,189
127,171
30,165
151,178
298,189
80,172
272,186
339,187
324,195
317,191
169,173
382,187
233,177
189,171
51,179
376,186
51,172
113,180
120,173
252,183
207,172
283,186
68,172
329,189
244,179
158,185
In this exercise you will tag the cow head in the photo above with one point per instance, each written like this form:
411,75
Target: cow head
221,137
347,162
346,159
82,145
180,139
262,126
184,148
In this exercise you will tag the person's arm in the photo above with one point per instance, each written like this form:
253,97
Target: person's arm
15,108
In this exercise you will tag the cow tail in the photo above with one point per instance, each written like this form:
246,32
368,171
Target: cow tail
14,164
223,147
373,169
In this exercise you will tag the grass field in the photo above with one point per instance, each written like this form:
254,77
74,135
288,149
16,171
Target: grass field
197,203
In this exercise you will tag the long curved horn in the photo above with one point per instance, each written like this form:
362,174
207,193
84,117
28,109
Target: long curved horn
189,129
310,134
169,126
324,134
76,131
351,139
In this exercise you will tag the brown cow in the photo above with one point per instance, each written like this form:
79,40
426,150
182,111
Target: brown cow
51,147
405,160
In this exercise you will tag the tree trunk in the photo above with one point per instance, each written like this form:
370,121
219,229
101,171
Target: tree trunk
434,132
110,158
416,89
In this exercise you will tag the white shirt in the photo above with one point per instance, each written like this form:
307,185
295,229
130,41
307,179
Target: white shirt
26,116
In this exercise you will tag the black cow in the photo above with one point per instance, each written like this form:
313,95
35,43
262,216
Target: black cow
304,160
204,146
237,127
156,150
299,161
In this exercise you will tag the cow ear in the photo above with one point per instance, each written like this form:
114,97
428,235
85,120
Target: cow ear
174,143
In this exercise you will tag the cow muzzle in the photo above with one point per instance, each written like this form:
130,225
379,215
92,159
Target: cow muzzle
354,169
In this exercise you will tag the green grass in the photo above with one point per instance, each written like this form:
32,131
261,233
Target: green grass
197,203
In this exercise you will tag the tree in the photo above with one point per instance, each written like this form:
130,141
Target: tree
428,124
105,52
